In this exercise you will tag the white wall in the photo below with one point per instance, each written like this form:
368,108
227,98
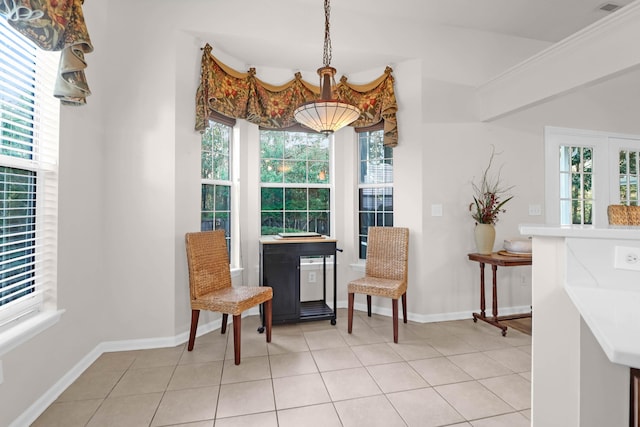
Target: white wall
34,367
130,189
456,155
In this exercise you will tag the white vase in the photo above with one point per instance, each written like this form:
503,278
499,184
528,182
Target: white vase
485,235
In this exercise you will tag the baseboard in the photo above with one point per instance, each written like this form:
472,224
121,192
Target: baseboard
430,318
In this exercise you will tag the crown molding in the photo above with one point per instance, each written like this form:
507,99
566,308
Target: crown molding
603,50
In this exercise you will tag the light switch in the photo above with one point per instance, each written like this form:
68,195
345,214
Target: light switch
436,210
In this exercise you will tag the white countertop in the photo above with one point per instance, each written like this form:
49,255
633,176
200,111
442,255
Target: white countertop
614,318
584,231
607,298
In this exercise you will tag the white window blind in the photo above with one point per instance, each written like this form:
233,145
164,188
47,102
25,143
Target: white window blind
29,118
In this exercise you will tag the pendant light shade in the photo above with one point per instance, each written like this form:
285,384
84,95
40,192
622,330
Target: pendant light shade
326,114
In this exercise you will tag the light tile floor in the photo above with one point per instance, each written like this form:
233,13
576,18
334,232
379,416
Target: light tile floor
455,373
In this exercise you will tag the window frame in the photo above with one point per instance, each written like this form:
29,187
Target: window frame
362,186
605,173
32,313
328,185
616,144
216,183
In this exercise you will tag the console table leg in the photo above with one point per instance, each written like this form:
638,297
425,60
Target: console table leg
481,315
482,297
495,293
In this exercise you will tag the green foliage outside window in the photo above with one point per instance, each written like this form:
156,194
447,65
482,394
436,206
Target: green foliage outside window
375,190
629,176
216,152
576,175
216,178
295,177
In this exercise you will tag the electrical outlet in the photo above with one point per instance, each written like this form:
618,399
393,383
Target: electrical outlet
626,258
535,210
312,277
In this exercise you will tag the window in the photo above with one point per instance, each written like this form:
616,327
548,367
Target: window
295,178
216,177
576,185
628,175
375,185
29,116
586,171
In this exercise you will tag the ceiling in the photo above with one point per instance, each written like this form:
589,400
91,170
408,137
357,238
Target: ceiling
369,34
548,20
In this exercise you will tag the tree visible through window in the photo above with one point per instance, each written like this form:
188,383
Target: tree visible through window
576,185
295,192
585,171
216,179
629,172
375,187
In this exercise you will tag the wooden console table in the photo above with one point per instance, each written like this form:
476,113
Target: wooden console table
497,259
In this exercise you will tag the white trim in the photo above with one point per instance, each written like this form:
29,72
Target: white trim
604,179
359,266
431,318
628,13
31,313
27,329
601,51
236,272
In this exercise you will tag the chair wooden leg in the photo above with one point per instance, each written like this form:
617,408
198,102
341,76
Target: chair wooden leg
394,309
237,327
267,317
350,312
369,305
195,314
404,307
223,327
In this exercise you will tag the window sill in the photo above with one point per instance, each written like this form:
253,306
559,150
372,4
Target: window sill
359,266
27,329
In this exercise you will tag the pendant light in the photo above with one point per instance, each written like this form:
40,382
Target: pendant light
326,114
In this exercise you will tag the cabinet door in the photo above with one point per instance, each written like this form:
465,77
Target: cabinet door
282,273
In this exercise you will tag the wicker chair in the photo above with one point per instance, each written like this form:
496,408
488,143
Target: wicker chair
623,215
386,272
210,286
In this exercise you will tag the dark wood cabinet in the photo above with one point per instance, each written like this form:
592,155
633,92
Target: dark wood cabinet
280,269
634,406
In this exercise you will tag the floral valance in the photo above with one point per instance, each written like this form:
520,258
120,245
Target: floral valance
244,96
56,25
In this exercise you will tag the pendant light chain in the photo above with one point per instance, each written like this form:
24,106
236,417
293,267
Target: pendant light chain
326,114
327,36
